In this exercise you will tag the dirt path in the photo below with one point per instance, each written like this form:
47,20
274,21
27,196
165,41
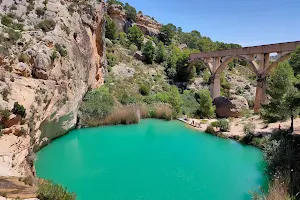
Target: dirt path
237,125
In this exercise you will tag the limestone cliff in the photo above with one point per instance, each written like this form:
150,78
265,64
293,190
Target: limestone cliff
148,25
51,52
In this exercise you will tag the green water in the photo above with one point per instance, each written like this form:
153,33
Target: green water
153,160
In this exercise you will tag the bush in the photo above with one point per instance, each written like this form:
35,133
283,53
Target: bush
160,54
133,48
123,39
19,110
130,12
6,21
50,191
111,59
97,104
223,124
144,90
136,36
249,128
61,49
40,11
5,114
46,25
206,108
210,129
125,115
23,58
110,28
149,52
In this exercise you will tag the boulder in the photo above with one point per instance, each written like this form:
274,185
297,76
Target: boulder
42,62
232,107
22,69
139,55
16,130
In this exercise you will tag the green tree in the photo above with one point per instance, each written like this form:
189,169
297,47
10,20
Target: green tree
130,12
123,39
206,108
110,2
185,71
110,28
284,96
149,52
167,33
295,61
136,36
161,54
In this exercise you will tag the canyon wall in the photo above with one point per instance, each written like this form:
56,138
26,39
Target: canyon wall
46,65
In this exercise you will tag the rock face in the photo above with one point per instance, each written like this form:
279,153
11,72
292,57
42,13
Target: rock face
148,25
230,107
56,68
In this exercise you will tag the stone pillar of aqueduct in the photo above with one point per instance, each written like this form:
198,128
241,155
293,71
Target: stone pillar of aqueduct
257,57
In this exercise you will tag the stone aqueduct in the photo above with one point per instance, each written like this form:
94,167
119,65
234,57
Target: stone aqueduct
217,61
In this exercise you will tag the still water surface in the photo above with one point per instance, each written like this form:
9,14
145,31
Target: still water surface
153,160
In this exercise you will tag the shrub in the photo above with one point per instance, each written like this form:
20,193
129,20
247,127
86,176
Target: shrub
210,129
19,110
130,12
133,48
249,128
136,36
53,56
123,39
23,58
5,114
144,90
111,59
48,190
97,104
6,20
40,11
46,25
61,50
149,52
110,28
160,54
223,124
206,108
125,115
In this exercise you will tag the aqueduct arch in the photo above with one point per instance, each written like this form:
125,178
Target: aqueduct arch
218,60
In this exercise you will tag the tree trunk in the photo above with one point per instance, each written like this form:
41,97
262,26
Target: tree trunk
292,123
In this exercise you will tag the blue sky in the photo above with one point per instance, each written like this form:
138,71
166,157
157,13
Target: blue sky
247,22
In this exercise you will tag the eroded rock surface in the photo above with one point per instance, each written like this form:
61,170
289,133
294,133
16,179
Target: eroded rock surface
232,107
47,68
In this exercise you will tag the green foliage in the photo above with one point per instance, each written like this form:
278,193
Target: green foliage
167,33
171,97
61,49
50,191
184,71
110,28
23,58
130,12
161,54
40,11
206,76
136,36
145,89
123,39
5,114
249,128
133,48
295,61
190,105
7,20
97,104
19,110
210,129
111,59
206,108
281,153
283,94
225,86
53,56
46,25
223,125
110,2
149,52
